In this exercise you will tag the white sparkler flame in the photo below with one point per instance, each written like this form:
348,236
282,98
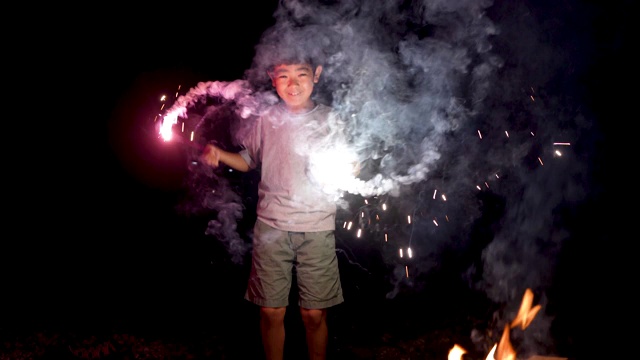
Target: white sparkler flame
334,169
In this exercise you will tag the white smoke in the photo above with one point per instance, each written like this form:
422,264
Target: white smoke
437,95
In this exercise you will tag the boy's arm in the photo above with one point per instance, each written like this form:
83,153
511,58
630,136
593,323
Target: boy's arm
213,155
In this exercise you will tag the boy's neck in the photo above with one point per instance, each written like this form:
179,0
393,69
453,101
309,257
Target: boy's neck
308,106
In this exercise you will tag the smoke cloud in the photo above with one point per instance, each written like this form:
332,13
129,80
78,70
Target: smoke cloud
465,99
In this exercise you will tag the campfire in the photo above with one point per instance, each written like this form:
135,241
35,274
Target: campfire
504,350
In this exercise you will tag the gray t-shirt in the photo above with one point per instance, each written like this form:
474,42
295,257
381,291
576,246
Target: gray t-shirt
280,144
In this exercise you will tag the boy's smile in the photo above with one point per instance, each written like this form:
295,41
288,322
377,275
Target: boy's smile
294,84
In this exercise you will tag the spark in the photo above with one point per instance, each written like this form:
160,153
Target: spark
479,134
540,161
562,144
506,133
434,193
435,221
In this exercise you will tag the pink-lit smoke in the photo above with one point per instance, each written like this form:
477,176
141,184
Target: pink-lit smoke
462,97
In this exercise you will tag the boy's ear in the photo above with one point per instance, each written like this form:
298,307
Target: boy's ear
273,80
316,74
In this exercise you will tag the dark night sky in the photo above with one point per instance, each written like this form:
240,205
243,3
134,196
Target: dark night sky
94,206
94,192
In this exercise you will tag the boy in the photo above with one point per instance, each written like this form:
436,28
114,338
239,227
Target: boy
295,220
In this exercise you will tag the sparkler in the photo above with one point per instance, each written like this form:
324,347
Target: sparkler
332,168
169,121
237,92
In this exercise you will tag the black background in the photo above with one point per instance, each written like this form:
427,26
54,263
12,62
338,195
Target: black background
93,241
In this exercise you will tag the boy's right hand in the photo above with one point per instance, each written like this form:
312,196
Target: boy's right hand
211,155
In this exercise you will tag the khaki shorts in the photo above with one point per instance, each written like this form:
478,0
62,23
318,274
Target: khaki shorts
276,252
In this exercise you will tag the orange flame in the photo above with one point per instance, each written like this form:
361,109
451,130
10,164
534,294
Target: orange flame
503,350
456,352
526,312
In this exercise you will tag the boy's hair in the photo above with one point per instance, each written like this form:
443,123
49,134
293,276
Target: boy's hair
285,45
271,56
292,60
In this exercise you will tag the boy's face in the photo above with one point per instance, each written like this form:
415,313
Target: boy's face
294,84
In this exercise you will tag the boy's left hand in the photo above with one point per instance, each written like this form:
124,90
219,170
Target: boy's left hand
211,155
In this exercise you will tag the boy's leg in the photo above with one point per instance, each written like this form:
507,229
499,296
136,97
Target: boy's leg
270,283
317,333
272,331
319,286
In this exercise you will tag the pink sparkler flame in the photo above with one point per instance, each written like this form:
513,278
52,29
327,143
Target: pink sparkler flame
167,124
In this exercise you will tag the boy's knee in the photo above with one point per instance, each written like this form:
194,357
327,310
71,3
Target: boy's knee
273,314
313,317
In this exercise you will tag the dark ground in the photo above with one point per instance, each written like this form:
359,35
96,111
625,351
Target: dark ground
157,324
164,302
